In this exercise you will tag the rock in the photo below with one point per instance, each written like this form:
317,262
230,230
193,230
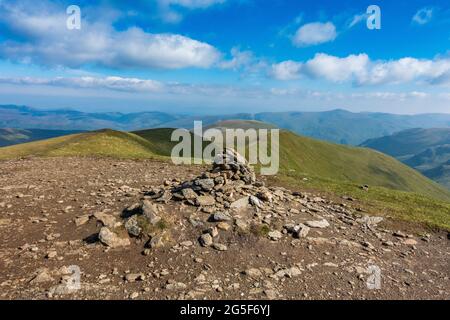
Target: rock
223,226
288,272
213,232
132,226
410,242
134,295
240,204
205,201
205,240
370,221
254,201
150,212
156,242
220,217
81,220
189,194
271,294
133,277
275,235
253,273
318,224
51,254
106,219
175,285
264,196
399,234
41,276
205,184
219,247
111,239
302,231
331,265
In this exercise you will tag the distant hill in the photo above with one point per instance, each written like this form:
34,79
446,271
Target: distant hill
9,136
337,126
427,150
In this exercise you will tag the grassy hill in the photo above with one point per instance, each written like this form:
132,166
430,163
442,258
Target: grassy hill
107,143
10,136
426,150
395,189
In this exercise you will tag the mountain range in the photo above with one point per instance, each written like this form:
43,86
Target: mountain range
338,126
426,150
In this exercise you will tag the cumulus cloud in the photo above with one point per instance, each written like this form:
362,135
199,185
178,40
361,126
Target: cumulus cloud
423,16
360,70
314,33
286,70
49,42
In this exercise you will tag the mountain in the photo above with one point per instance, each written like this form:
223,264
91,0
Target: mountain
23,117
337,126
9,136
426,150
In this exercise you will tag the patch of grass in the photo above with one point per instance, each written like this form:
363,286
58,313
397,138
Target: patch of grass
407,206
260,230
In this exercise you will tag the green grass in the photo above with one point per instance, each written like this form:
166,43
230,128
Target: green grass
407,206
105,143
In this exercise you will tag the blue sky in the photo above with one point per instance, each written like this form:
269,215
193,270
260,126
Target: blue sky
223,56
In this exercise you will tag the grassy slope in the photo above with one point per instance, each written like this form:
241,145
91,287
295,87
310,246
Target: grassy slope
100,143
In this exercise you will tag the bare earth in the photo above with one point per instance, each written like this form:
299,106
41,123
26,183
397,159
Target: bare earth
41,198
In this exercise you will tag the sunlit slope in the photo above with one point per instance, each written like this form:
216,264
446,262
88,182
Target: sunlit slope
106,143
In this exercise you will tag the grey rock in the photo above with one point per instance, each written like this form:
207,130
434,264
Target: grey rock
206,240
150,212
320,224
111,239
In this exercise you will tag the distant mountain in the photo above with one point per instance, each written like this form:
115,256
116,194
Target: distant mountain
10,136
427,150
337,126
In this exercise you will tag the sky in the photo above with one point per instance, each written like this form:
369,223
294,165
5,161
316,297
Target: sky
226,56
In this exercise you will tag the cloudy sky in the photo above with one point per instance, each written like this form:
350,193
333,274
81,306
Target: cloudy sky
223,56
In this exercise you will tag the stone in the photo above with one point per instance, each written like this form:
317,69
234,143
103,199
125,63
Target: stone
219,247
106,219
111,239
410,242
254,201
156,242
81,220
302,231
206,240
205,184
51,254
189,194
320,224
132,226
223,226
175,285
253,273
275,235
264,196
220,217
41,276
150,212
240,204
133,277
205,201
370,221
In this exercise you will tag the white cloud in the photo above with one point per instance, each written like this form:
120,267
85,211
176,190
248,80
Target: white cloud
112,83
286,70
314,33
49,42
240,59
423,16
360,70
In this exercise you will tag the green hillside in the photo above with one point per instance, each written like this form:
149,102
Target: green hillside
106,143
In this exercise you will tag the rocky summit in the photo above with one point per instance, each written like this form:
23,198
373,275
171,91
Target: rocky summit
153,230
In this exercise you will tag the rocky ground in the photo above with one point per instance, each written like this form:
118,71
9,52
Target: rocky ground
152,230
